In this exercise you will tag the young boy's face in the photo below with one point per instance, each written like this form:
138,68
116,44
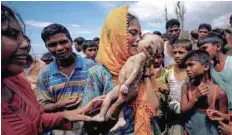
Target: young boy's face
91,53
178,54
202,32
211,49
194,68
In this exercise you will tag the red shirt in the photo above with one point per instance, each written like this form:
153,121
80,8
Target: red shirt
24,115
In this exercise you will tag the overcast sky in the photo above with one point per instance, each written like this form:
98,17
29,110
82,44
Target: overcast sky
86,18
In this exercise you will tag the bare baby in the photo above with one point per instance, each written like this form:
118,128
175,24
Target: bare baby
129,78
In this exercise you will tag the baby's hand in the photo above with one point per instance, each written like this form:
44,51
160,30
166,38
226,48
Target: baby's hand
124,89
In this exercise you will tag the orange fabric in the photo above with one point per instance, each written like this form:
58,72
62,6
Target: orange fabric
32,72
113,45
142,109
113,54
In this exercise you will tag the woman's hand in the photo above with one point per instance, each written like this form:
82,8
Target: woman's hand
217,115
76,115
79,114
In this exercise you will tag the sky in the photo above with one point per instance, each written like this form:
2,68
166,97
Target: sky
86,18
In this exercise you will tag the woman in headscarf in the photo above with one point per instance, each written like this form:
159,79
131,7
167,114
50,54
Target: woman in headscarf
20,110
120,35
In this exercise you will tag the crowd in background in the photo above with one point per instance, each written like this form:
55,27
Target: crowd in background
62,91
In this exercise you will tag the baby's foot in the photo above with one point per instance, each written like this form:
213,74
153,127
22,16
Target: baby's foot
98,118
120,123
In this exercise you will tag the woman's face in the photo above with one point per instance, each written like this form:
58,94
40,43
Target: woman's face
14,48
134,31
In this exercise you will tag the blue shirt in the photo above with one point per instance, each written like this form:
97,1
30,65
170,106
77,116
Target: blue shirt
53,85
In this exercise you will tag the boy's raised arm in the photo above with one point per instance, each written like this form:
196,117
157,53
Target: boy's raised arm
186,102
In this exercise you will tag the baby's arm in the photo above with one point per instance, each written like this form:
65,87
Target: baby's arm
112,95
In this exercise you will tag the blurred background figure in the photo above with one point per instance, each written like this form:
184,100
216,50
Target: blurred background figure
194,39
47,58
78,45
97,40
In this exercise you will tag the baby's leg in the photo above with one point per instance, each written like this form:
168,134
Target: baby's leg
120,123
112,95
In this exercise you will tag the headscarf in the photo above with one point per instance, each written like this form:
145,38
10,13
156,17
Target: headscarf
113,48
113,54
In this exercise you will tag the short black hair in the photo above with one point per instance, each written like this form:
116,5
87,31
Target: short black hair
205,26
96,39
184,43
198,55
6,14
47,57
170,23
212,37
54,29
157,33
194,34
89,43
79,40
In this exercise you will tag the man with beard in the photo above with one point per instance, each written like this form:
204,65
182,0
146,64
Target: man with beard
173,32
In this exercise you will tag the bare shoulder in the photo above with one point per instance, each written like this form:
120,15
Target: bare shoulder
221,92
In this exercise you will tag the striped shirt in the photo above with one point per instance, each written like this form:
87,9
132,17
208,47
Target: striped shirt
53,85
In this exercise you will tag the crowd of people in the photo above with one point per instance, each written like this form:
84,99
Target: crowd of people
124,83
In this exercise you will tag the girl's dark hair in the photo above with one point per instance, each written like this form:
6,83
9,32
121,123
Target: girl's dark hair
6,14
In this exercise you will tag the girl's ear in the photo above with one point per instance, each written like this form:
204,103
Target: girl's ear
218,45
206,67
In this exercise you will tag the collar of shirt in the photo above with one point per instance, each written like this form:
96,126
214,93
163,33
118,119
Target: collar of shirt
78,65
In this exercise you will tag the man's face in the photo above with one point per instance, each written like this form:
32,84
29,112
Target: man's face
173,33
60,46
78,47
91,53
202,32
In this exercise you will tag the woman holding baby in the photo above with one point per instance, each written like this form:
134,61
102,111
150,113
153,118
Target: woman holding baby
120,36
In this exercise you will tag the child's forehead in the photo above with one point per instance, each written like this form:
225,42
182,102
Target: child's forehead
192,59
